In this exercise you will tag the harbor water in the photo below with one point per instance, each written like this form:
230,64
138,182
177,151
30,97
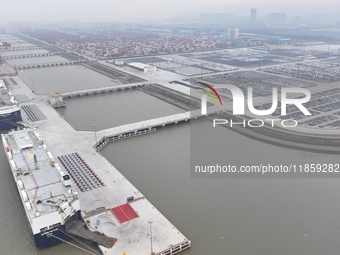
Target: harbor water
114,109
63,79
231,215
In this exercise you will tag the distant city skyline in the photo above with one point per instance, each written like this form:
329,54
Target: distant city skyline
253,13
148,10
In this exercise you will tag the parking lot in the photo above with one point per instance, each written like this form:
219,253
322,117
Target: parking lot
261,83
315,69
186,65
324,107
244,57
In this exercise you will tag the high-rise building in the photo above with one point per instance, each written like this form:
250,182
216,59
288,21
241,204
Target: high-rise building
214,17
233,33
297,19
278,17
204,17
220,17
253,15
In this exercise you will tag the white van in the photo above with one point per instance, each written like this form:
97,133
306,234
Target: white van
66,179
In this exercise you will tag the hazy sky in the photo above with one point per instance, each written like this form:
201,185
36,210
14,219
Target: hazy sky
134,10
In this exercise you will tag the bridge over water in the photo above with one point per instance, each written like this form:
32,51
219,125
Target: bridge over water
19,48
148,126
86,92
33,55
50,64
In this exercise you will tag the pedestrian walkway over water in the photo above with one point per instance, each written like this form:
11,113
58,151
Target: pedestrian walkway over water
35,55
86,92
148,126
20,48
50,64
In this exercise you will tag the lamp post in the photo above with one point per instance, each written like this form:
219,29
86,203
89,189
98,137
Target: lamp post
23,76
3,65
150,222
32,85
95,134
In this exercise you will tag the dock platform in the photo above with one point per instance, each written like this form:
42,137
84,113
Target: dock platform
148,232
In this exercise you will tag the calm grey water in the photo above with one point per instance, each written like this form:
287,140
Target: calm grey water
114,109
62,78
220,216
231,216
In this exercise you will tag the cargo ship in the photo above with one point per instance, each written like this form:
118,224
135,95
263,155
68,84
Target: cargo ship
9,108
49,201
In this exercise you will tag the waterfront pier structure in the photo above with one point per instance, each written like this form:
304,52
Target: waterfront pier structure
86,92
49,64
147,126
33,55
99,205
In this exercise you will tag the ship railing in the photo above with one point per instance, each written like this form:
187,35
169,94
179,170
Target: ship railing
176,248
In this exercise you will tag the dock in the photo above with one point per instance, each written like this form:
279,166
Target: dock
115,208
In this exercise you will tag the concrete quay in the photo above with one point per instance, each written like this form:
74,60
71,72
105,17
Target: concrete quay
134,236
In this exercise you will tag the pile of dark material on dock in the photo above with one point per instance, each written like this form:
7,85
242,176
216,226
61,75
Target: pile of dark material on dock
78,229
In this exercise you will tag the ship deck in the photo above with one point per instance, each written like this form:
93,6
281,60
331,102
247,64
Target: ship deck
134,235
41,181
5,97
